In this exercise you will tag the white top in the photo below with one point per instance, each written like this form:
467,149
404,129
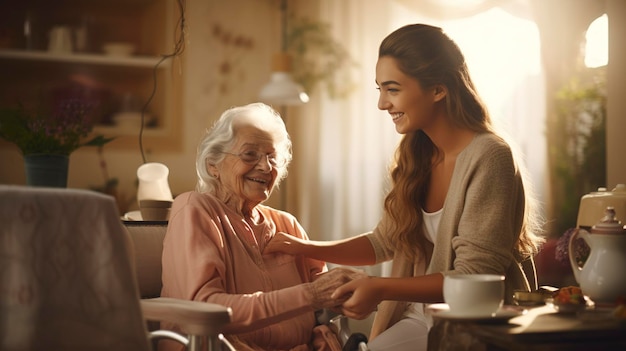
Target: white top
415,310
431,224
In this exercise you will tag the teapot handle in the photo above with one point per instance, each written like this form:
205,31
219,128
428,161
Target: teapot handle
576,268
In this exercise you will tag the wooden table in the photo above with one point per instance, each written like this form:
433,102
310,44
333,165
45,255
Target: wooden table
540,328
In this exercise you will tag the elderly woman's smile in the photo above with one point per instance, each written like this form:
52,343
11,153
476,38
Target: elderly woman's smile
262,181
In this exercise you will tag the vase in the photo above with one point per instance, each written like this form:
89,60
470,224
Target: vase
46,170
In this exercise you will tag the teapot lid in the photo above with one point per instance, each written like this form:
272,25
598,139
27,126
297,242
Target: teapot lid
609,224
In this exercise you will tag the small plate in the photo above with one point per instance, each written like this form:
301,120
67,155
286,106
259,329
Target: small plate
135,216
571,308
502,315
132,216
568,308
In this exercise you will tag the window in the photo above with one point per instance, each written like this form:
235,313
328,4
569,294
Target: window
597,43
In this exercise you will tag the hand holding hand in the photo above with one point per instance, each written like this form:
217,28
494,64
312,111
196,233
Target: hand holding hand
364,295
327,283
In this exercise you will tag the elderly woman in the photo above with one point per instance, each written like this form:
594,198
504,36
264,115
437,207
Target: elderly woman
213,249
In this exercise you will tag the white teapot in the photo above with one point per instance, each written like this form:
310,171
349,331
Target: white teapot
602,276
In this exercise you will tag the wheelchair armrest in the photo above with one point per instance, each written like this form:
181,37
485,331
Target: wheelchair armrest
193,317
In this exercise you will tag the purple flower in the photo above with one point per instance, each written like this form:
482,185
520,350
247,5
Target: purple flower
581,249
60,132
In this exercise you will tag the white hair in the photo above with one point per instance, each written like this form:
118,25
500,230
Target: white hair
222,136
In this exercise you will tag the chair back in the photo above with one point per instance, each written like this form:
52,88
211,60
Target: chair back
147,247
66,279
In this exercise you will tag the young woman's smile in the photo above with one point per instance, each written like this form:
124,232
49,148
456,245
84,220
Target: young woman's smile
410,106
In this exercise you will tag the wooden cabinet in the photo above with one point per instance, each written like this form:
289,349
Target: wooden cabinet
117,86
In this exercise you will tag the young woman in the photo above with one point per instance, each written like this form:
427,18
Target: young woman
459,203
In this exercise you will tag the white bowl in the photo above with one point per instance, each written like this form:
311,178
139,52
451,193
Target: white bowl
118,49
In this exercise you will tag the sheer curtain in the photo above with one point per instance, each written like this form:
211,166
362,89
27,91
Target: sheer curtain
349,143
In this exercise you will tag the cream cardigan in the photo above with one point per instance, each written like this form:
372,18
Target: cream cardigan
480,225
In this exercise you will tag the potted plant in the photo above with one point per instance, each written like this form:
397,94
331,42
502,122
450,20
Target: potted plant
579,149
46,139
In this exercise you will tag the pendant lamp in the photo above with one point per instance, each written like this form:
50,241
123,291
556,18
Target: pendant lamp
282,89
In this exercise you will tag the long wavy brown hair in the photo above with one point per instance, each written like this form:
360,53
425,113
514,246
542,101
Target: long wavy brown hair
427,54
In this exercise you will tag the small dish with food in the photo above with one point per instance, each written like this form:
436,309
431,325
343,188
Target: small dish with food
570,299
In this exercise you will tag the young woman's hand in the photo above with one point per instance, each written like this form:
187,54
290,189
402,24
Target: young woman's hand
323,287
285,243
364,296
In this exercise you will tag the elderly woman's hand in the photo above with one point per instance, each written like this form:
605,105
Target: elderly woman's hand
326,283
285,243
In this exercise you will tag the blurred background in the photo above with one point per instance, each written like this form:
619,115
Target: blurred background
551,71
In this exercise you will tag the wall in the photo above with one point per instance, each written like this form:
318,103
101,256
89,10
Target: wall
215,73
205,95
616,104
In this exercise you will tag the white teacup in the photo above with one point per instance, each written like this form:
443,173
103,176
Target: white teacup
474,295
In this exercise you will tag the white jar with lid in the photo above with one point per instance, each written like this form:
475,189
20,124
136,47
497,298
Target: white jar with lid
593,205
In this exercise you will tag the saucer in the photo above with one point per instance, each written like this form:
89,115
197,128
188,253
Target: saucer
502,315
132,216
570,308
135,216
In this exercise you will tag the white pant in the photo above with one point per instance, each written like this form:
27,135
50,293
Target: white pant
408,334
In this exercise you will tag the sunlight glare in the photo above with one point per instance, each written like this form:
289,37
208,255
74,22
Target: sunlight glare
503,54
597,48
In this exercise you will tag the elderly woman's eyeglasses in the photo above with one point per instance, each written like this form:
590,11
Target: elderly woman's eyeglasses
252,157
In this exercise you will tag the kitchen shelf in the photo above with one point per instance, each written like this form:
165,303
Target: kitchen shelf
80,58
32,75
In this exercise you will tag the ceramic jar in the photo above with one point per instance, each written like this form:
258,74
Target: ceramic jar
593,205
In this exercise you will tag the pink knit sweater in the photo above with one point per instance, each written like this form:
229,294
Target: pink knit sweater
212,254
